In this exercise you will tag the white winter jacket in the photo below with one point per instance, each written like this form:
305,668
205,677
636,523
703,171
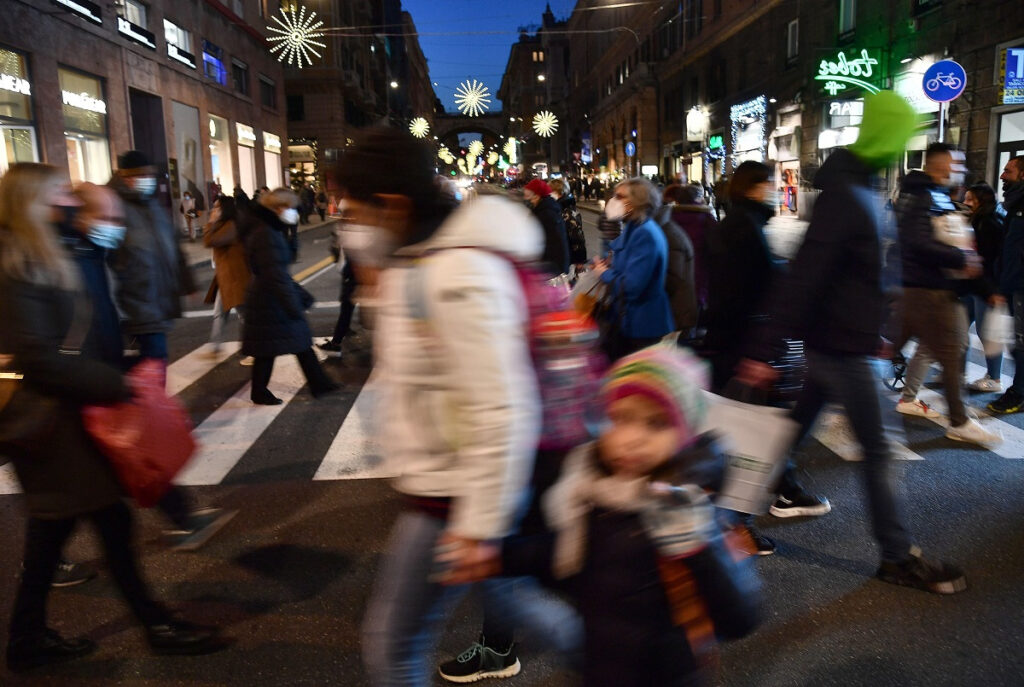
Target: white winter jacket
460,410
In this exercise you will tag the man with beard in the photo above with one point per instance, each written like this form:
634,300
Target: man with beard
1011,281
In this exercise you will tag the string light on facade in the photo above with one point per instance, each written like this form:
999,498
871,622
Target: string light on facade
740,116
295,37
475,148
419,127
545,123
472,99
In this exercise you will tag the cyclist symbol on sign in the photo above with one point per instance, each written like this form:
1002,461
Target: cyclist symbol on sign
948,80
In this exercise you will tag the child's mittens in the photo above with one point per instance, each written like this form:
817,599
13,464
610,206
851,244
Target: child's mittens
680,520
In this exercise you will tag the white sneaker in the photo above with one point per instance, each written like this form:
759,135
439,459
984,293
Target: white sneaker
986,385
248,361
917,408
972,432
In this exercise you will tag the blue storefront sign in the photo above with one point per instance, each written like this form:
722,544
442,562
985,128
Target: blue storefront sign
1013,85
944,81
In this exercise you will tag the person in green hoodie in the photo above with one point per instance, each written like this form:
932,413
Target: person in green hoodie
833,299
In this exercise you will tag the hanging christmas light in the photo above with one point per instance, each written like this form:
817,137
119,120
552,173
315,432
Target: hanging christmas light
472,99
419,127
475,148
545,123
296,37
510,150
492,158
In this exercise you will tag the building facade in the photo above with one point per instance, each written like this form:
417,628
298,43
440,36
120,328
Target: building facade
190,83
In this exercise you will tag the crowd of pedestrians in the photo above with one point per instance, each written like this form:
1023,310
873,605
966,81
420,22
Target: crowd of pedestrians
651,572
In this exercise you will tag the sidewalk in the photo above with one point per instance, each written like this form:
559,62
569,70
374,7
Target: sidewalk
197,254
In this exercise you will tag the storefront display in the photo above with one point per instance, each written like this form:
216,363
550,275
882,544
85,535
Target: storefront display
220,155
16,118
272,159
85,126
748,130
246,157
187,147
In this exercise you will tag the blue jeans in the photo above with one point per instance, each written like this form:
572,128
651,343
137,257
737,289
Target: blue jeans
1017,308
407,612
977,308
853,382
153,345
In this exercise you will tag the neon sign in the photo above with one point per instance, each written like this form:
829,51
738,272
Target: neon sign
716,141
844,72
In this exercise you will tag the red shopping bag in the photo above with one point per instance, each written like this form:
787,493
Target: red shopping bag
147,440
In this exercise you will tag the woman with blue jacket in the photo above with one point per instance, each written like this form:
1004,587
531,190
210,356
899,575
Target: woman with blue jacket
635,274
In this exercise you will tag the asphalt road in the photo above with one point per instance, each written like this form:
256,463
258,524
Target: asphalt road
289,577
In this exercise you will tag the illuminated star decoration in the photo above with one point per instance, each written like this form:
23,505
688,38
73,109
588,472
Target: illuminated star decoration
446,155
472,99
419,127
510,150
492,158
475,148
545,123
295,39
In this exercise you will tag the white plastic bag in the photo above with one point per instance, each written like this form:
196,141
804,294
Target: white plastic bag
587,292
998,330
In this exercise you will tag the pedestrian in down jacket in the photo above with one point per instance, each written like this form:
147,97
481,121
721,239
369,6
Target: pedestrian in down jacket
679,280
640,312
695,218
275,306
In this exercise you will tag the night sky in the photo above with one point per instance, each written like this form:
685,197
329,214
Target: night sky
455,58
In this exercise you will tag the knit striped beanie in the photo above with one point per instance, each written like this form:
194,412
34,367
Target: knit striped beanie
668,375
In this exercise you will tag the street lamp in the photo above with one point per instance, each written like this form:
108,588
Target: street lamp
394,84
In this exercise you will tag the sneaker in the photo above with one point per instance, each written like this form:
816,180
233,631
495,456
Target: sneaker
479,662
247,361
917,408
181,638
204,523
46,649
986,385
69,574
799,504
1010,402
973,433
331,348
920,573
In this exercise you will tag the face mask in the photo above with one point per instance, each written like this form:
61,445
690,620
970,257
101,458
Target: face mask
108,236
289,216
144,186
615,209
367,244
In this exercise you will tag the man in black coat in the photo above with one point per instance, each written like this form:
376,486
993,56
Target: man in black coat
1011,279
833,299
556,245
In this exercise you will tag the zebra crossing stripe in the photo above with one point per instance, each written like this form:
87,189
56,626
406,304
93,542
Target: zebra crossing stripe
186,371
8,480
355,453
230,431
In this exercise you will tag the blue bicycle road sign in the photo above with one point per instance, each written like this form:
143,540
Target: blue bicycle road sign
630,149
944,81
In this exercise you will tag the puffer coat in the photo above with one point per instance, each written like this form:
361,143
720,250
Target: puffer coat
275,319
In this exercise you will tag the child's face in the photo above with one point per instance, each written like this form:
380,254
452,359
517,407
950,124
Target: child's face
640,438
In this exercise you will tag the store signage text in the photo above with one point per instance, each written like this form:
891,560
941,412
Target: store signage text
843,72
15,84
246,136
176,53
135,33
271,143
846,108
1013,84
84,101
90,11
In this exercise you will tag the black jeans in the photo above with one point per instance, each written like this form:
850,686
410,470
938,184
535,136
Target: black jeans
178,506
851,381
348,289
317,379
44,541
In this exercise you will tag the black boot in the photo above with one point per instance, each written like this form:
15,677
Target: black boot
184,639
46,649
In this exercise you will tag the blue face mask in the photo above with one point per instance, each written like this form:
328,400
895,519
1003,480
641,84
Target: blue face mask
108,236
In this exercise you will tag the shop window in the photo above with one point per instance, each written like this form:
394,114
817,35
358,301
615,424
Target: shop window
220,154
240,77
177,36
85,126
847,17
213,64
134,11
296,105
17,130
792,42
268,93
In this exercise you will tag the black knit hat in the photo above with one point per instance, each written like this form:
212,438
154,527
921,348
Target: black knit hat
386,160
134,160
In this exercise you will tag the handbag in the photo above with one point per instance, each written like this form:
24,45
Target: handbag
148,439
26,413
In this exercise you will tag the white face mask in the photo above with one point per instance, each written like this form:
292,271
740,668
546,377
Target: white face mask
289,216
368,245
144,186
106,235
615,209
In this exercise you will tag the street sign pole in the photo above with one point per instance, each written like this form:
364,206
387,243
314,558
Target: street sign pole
942,121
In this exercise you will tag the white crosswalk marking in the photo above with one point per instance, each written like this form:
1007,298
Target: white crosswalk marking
227,434
8,480
186,371
354,453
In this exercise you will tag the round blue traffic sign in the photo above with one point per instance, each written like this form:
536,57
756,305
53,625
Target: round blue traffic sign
630,149
944,81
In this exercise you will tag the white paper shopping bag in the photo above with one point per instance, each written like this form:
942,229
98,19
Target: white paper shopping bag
756,440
